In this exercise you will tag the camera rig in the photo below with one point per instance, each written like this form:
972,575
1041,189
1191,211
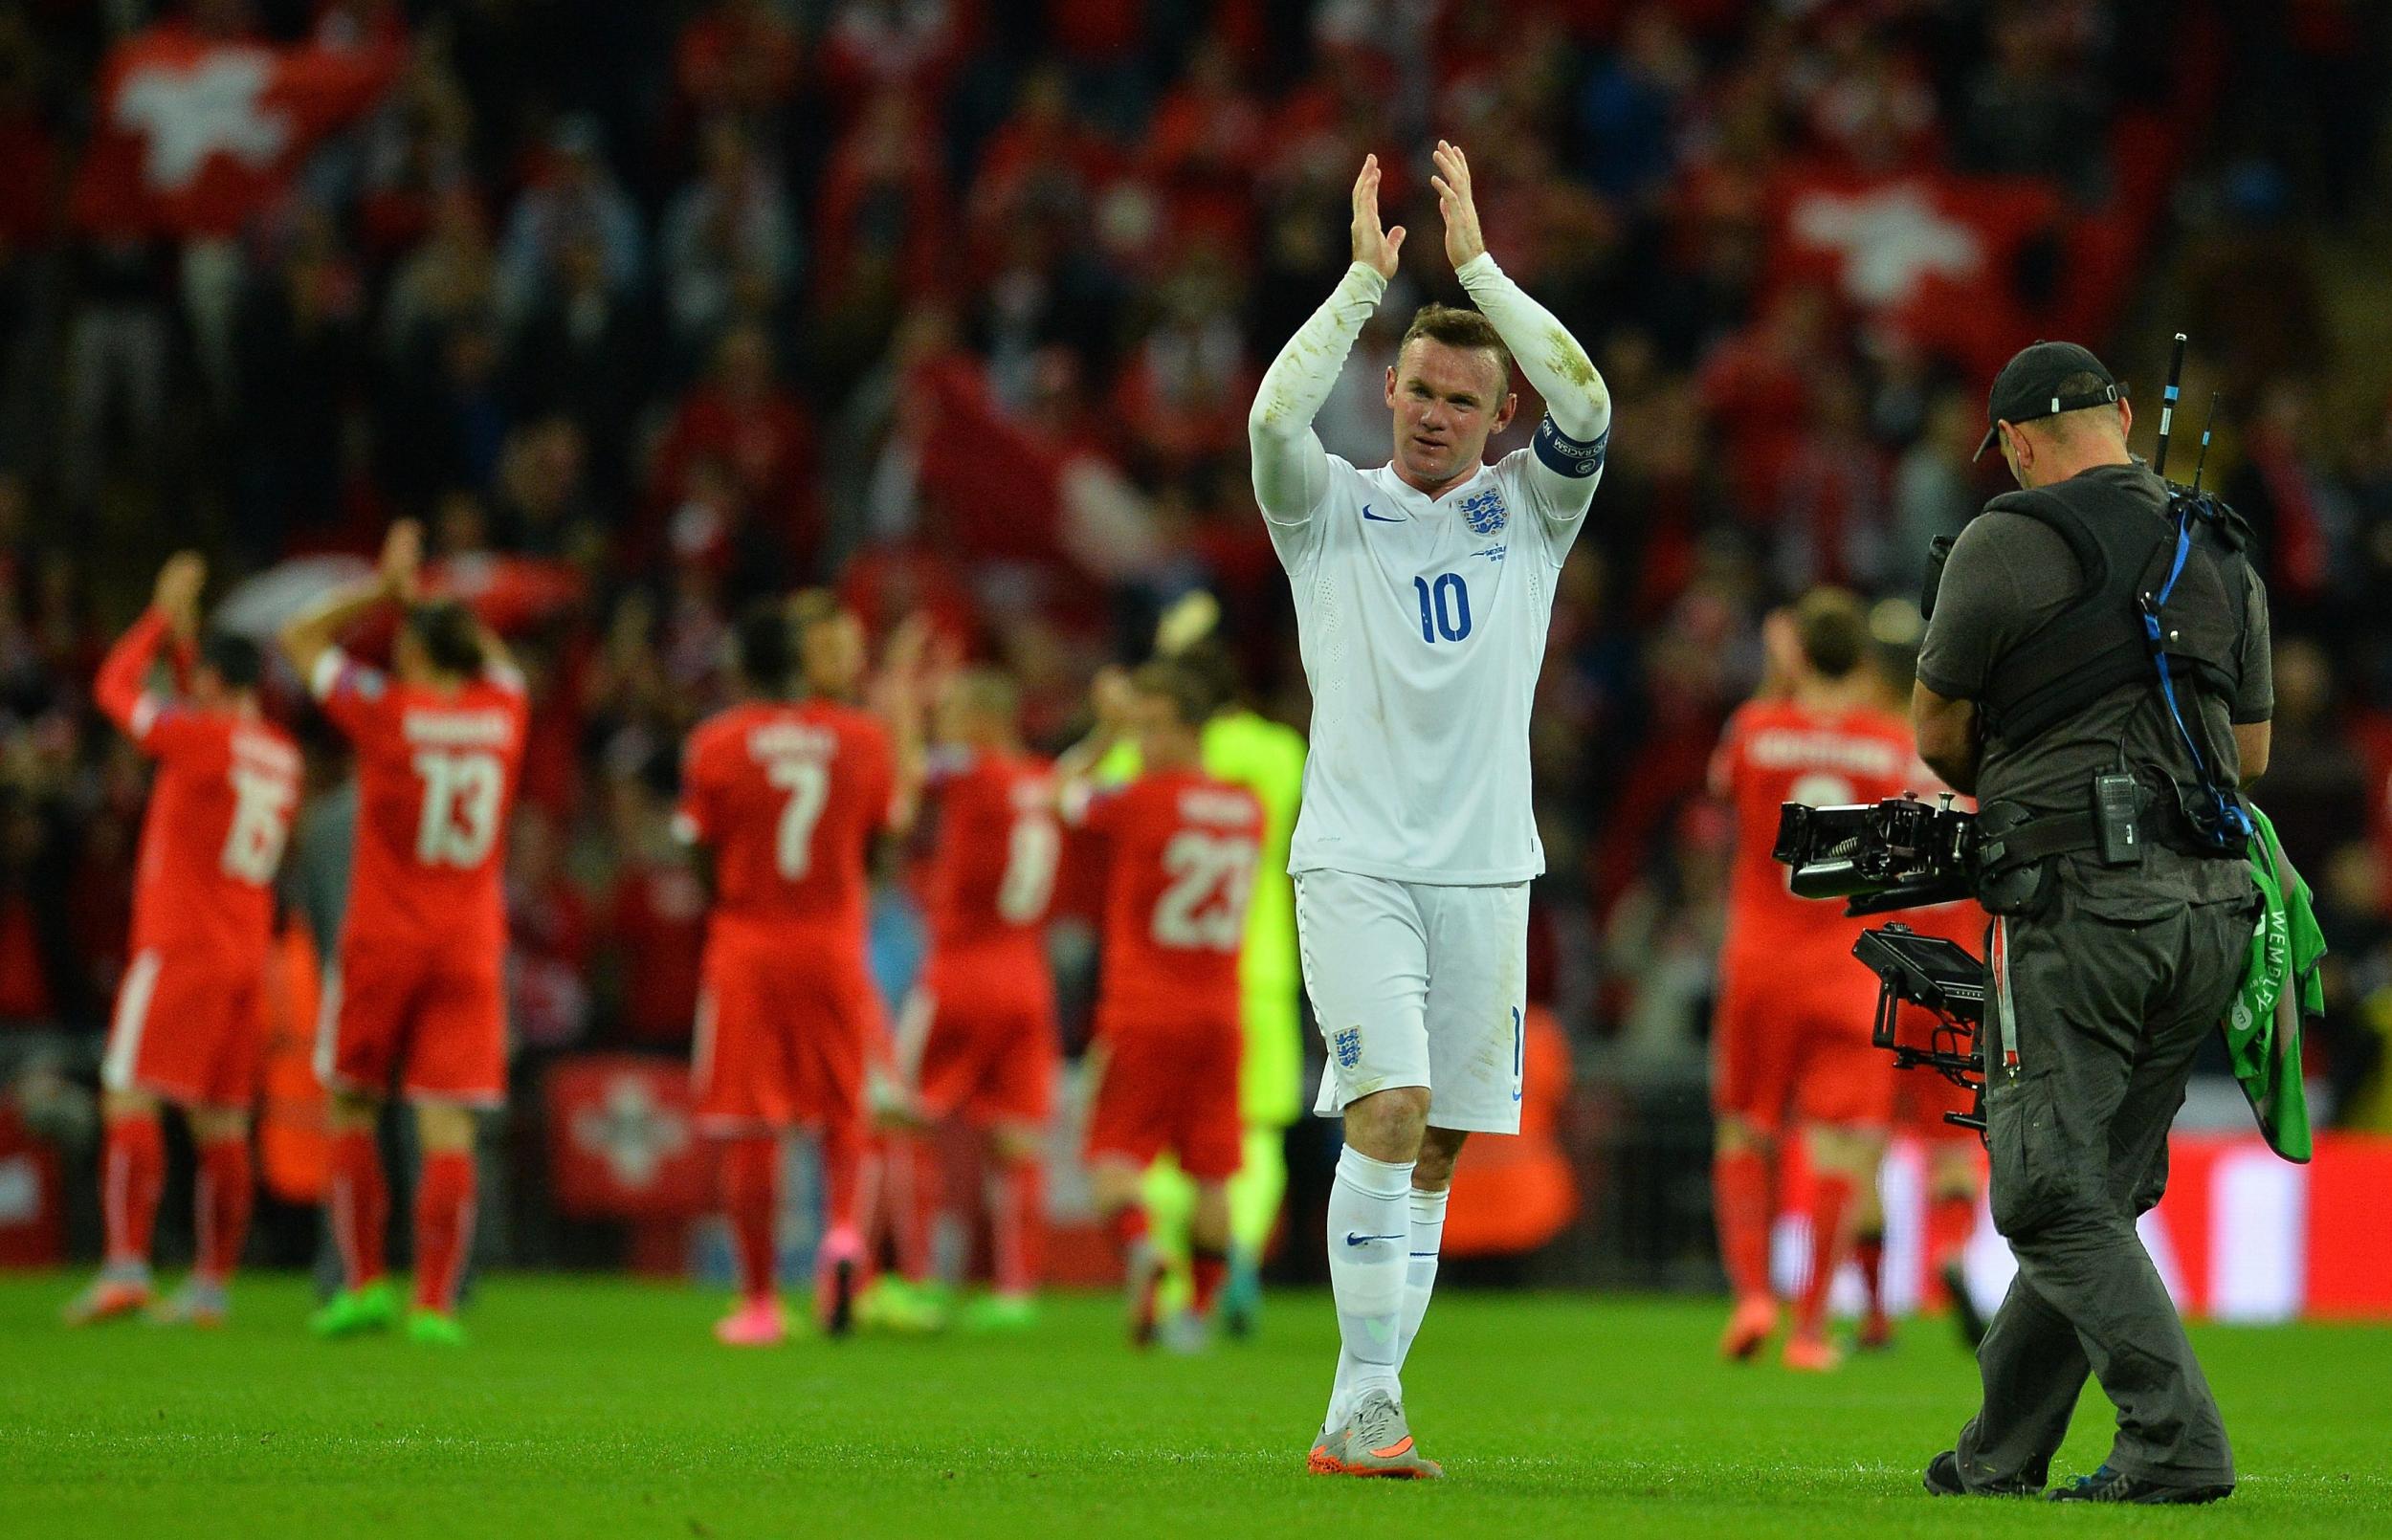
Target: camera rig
1896,854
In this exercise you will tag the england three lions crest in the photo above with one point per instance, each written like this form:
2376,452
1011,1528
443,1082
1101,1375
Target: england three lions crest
1484,512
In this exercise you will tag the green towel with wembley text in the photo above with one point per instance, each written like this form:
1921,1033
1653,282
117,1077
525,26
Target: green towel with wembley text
2280,987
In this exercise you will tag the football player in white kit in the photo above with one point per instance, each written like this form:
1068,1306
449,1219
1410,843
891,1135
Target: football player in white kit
1423,590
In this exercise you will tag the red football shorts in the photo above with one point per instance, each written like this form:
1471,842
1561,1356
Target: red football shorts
980,1044
1790,1048
429,1016
187,1029
1170,1086
785,1030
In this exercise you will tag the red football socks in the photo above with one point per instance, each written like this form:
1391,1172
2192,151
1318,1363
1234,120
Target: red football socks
1831,1208
222,1201
361,1206
1206,1270
911,1189
1741,1201
751,1183
1950,1223
1015,1225
133,1168
444,1227
849,1173
1868,1255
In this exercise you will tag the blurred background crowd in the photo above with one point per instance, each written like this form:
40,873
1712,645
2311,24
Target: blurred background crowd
648,308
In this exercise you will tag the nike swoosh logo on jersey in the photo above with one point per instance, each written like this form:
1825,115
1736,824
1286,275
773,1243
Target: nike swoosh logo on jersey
1379,518
1353,1239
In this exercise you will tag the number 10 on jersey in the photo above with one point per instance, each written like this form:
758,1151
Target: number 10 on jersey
1444,607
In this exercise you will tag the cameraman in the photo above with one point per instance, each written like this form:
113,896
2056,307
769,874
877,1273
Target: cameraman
2112,855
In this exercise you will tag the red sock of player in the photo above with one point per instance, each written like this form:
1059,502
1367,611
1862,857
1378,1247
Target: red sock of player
1740,1199
1950,1223
1206,1267
752,1200
1868,1253
444,1227
1830,1207
1015,1224
361,1204
133,1169
1127,1227
910,1192
849,1176
222,1203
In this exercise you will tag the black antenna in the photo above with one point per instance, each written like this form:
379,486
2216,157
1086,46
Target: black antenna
2208,423
2167,406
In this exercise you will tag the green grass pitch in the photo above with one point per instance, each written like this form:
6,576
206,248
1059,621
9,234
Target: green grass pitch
599,1407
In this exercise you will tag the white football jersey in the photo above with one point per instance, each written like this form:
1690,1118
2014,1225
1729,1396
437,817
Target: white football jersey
1423,627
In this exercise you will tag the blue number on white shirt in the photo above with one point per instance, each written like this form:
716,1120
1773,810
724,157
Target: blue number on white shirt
1444,609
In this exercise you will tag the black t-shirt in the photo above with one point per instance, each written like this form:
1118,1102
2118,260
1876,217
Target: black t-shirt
2008,574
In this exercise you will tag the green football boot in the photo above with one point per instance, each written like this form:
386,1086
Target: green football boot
354,1311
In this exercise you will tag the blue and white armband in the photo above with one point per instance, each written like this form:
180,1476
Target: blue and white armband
1572,457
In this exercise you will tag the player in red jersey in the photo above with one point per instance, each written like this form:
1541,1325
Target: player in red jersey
186,1031
417,998
1791,1050
1181,857
786,793
977,1038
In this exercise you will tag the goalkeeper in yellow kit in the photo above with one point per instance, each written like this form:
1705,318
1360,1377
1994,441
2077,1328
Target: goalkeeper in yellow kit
1246,749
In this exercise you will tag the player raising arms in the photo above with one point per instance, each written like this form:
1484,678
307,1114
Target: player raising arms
1790,1052
419,997
784,795
186,1031
977,1039
1422,592
1180,849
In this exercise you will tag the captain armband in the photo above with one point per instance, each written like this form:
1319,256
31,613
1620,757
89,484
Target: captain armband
1572,457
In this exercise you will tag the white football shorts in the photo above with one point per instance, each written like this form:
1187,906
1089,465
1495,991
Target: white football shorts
1418,985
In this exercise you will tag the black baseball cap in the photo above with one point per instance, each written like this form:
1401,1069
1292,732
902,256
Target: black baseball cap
2028,387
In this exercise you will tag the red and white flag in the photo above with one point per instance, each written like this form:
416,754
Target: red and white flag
196,134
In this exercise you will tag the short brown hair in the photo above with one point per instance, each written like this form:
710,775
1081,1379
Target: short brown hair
1459,328
1834,630
447,633
1191,695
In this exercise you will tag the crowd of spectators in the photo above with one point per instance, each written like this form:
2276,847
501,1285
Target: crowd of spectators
650,308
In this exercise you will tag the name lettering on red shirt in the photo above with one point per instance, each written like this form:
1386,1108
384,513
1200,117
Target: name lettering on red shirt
993,865
788,796
220,811
1777,752
1184,849
435,775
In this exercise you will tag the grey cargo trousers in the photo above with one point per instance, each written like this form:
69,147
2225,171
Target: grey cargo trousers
2107,1014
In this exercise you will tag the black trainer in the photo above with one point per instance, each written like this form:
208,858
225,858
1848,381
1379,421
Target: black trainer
2107,1485
1942,1479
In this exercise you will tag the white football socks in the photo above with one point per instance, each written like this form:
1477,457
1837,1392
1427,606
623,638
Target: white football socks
1370,1236
1420,1272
